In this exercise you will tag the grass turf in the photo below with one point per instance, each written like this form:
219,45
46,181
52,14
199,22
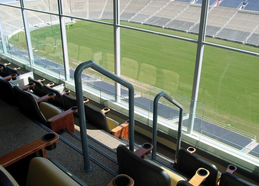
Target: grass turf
229,81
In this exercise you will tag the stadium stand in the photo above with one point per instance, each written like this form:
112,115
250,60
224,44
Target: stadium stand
252,5
232,3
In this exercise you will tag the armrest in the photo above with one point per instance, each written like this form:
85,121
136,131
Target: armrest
63,121
17,68
38,145
1,68
28,86
105,110
143,150
200,175
46,97
12,76
121,131
122,179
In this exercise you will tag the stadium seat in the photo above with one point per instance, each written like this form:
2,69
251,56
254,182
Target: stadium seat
6,91
70,101
6,70
58,101
228,179
38,89
143,172
98,119
187,165
43,112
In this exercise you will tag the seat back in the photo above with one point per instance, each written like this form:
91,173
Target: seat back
48,110
141,171
6,178
9,70
228,179
38,89
43,172
187,164
27,104
96,118
6,92
68,101
58,99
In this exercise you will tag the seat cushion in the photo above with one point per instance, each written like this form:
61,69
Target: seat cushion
49,110
43,172
111,123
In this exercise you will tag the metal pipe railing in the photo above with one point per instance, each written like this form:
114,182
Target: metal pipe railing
155,113
81,112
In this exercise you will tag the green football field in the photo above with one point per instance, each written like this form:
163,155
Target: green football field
229,81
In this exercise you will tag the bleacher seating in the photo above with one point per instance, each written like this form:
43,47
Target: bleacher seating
252,5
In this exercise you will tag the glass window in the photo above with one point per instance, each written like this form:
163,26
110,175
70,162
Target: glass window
229,89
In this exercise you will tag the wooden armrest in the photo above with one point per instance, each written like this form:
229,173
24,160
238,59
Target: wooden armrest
63,121
105,110
26,150
200,175
51,84
121,131
28,86
231,169
17,68
12,76
144,149
191,150
46,97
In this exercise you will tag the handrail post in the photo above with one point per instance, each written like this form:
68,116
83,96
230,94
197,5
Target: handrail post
179,134
81,111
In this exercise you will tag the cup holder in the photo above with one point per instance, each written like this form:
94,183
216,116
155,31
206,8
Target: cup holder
232,168
121,181
147,146
191,149
49,137
51,94
202,172
74,108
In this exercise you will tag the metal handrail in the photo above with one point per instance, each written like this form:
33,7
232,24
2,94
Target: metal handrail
81,112
155,113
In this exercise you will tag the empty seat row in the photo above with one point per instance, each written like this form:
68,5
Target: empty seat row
183,172
62,99
37,108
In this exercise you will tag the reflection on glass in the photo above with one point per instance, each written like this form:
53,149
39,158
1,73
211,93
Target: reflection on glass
229,90
90,41
154,60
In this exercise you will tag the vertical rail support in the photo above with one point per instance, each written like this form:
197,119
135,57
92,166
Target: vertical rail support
81,112
155,113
